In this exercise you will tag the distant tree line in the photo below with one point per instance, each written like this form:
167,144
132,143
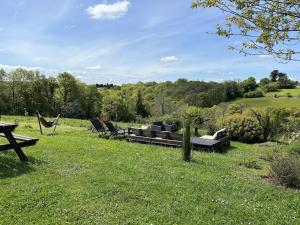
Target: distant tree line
106,85
22,89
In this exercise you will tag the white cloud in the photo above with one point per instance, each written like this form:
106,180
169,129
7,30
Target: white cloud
10,68
265,56
98,67
108,11
169,59
36,59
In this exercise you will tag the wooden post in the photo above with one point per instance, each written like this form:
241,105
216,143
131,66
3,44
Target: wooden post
186,147
38,116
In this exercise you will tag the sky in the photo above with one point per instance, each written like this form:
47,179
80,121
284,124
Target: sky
124,41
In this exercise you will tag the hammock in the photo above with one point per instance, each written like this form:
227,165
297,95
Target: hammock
47,124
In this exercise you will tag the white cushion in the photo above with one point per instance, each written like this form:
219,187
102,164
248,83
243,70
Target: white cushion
208,137
145,127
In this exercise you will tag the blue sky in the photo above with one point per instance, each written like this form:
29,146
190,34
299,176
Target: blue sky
123,41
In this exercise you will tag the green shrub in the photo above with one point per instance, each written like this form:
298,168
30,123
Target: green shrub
254,94
294,147
235,109
271,87
173,119
286,170
243,128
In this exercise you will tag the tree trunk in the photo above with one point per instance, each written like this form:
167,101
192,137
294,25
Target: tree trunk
186,147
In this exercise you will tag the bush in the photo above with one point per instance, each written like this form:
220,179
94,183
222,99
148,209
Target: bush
243,128
254,94
172,119
294,148
286,170
235,109
271,87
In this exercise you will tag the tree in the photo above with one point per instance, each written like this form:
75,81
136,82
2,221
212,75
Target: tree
19,82
232,89
140,106
274,75
186,147
114,106
68,87
264,81
282,79
271,27
249,85
2,74
91,101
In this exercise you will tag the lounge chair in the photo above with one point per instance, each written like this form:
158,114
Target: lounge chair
98,127
114,131
47,124
218,135
218,142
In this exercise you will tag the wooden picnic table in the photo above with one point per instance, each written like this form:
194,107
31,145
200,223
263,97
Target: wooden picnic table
6,130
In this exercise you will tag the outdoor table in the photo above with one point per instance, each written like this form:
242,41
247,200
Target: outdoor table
6,130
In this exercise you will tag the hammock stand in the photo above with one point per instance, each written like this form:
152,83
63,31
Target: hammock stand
47,124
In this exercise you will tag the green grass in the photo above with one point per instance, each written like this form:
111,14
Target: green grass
283,92
282,101
75,178
268,102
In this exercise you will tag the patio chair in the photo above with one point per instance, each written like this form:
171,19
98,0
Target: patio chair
98,127
114,132
47,124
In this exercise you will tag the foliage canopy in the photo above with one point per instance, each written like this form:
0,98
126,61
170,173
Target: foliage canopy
272,27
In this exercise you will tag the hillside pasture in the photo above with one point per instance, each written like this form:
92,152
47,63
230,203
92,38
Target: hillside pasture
269,101
283,93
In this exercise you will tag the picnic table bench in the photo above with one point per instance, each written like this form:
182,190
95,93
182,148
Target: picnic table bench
16,142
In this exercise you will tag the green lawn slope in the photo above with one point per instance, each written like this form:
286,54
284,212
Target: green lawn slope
282,101
75,178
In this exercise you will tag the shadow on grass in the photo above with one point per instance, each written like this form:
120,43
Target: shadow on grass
218,151
50,134
11,166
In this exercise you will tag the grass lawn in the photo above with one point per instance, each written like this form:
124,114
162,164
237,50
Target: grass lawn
75,178
269,101
283,92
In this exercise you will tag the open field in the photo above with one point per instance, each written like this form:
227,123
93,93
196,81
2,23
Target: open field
75,178
283,92
268,102
282,101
